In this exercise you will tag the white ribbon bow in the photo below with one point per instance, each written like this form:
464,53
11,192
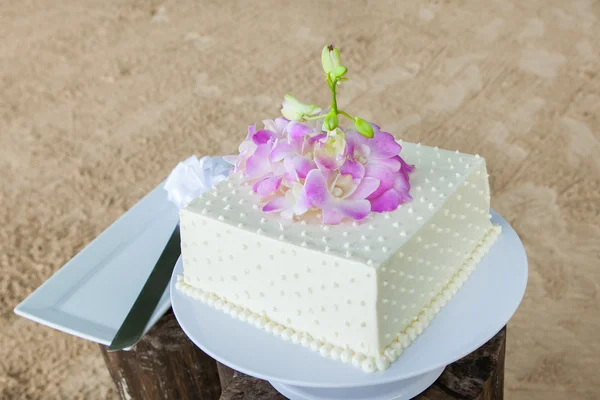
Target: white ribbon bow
192,177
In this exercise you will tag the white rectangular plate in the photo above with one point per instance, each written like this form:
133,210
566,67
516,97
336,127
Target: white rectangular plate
91,295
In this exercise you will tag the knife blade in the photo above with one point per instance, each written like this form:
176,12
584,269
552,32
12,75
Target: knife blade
132,328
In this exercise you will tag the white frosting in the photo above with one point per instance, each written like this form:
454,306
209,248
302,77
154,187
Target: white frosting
366,363
346,356
361,288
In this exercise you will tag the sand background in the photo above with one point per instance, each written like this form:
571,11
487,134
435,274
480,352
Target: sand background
100,99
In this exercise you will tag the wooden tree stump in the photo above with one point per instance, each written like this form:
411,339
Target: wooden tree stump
478,376
165,364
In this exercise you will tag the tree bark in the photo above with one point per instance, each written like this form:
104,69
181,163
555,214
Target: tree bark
478,376
165,364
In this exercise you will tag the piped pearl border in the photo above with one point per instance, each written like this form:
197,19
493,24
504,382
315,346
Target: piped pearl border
359,360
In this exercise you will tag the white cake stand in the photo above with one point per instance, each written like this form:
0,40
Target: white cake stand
477,312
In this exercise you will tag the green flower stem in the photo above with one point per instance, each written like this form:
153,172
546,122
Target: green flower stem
333,88
315,117
334,74
345,114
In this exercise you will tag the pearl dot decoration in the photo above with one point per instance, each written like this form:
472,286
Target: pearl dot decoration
397,256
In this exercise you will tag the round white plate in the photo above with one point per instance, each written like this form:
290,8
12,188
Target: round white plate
477,312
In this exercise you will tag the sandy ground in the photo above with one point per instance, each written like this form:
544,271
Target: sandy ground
100,99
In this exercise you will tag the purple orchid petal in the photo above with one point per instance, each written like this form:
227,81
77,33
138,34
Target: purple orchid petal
298,130
344,183
258,163
405,167
303,166
231,159
303,204
263,136
324,160
251,132
351,142
391,163
388,201
356,209
401,182
281,123
385,175
291,176
247,147
367,186
362,150
405,196
277,204
331,217
267,185
329,174
278,126
308,146
290,169
354,139
317,190
353,168
383,145
317,138
297,144
281,151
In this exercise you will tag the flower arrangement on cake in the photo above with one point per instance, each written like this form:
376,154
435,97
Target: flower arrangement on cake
306,160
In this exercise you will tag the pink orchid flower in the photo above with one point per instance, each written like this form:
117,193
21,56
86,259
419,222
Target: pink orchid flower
294,202
339,196
405,168
369,157
330,150
296,152
398,193
378,157
296,166
254,138
392,197
277,126
246,149
257,164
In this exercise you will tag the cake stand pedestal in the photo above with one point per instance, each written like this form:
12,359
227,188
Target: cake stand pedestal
405,389
479,375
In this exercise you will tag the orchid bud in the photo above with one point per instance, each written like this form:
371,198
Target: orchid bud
363,127
339,71
294,110
326,60
330,58
331,121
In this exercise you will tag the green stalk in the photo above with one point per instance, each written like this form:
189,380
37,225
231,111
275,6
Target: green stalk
345,114
315,117
333,97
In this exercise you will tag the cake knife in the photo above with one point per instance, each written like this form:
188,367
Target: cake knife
132,328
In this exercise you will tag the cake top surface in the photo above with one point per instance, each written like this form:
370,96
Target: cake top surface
438,173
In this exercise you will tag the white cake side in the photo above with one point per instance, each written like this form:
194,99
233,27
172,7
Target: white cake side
331,298
426,263
344,354
357,292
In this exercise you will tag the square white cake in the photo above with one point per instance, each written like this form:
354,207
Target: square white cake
359,292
